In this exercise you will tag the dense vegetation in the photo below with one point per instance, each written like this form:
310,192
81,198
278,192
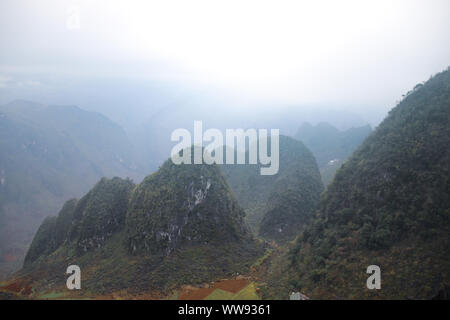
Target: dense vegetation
330,146
388,205
50,154
183,204
278,206
88,222
181,225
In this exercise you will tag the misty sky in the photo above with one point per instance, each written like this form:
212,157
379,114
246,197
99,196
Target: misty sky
356,55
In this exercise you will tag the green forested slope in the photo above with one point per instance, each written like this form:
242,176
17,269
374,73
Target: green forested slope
294,194
181,225
183,204
88,223
277,206
388,205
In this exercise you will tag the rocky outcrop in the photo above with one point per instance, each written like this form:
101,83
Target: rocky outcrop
183,205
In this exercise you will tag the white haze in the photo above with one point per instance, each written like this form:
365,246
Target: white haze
132,59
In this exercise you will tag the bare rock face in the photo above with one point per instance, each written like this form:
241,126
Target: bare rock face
182,205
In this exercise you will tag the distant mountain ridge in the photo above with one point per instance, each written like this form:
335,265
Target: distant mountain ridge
278,206
49,154
331,146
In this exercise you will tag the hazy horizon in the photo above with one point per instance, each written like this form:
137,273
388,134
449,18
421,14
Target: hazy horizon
132,60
